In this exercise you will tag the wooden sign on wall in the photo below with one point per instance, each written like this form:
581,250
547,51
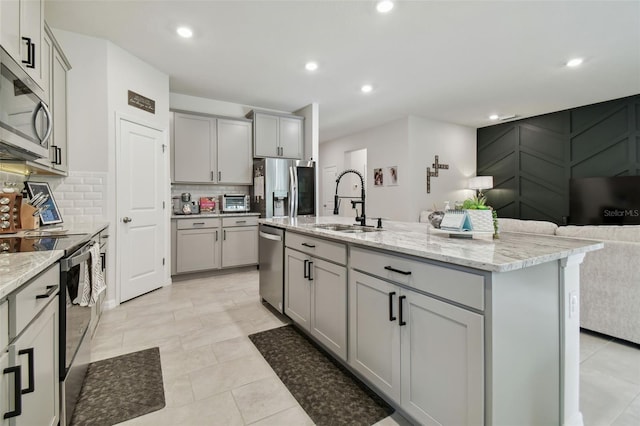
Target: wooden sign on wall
141,102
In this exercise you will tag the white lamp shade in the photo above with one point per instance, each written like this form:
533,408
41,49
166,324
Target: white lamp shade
481,182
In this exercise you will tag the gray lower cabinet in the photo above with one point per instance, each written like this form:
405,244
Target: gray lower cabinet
202,244
197,244
316,290
32,353
425,354
239,245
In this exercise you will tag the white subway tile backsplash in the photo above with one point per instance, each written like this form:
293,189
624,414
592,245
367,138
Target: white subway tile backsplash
73,196
81,196
83,188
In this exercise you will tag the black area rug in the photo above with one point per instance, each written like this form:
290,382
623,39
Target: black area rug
329,393
120,388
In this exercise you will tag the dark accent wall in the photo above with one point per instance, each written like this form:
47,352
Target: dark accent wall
531,160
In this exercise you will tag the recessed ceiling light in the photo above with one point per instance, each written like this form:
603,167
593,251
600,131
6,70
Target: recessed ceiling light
384,6
184,32
366,88
574,62
311,66
493,117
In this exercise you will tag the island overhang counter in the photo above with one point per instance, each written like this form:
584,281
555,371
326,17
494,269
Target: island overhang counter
491,326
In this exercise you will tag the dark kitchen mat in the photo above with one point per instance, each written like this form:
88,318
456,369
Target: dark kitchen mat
329,393
120,388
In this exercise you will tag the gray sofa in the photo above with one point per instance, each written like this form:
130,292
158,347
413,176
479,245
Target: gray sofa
609,278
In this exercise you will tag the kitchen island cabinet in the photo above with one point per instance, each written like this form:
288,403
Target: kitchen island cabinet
315,289
452,331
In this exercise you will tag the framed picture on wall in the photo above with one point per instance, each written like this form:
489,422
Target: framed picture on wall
378,177
40,196
392,172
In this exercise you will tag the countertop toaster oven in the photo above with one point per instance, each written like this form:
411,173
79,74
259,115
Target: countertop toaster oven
232,203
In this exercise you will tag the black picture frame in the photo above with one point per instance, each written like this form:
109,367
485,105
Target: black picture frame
50,215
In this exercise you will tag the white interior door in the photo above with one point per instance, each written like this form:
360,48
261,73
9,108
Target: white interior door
329,175
140,193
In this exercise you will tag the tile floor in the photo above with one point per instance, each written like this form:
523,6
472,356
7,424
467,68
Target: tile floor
213,375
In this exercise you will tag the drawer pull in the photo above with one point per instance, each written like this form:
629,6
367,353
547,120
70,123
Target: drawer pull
17,394
306,273
32,379
402,321
391,317
392,269
241,221
50,290
197,223
308,245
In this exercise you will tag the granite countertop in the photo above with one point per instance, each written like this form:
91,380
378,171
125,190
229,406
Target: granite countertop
511,252
188,216
18,268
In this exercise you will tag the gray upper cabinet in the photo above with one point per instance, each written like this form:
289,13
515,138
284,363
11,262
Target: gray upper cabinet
21,35
278,135
207,149
194,148
235,160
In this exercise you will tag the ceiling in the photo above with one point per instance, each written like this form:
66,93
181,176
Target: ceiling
455,61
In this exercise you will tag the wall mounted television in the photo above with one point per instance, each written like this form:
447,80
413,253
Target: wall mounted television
604,201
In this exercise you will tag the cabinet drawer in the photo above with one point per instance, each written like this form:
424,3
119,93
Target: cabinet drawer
198,223
4,325
27,302
330,250
458,286
240,221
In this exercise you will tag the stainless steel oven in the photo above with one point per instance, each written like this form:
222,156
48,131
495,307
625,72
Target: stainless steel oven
74,329
25,120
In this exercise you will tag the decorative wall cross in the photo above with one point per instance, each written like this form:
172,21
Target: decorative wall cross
436,166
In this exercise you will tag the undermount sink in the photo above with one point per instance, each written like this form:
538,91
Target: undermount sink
341,227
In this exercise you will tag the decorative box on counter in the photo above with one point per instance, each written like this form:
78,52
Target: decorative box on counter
207,204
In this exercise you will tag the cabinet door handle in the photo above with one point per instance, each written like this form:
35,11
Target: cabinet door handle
17,391
59,155
389,268
216,235
50,290
308,245
219,176
212,175
310,276
306,273
103,258
224,235
32,384
391,317
33,56
402,321
30,53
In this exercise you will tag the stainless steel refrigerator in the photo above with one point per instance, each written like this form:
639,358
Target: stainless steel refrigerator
283,187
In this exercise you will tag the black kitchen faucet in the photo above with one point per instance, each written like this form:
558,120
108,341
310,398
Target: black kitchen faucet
362,218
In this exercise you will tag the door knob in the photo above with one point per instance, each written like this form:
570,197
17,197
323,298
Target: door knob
126,219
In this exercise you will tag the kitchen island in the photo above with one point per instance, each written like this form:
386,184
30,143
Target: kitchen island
448,330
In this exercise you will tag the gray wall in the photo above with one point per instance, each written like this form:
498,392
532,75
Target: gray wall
533,159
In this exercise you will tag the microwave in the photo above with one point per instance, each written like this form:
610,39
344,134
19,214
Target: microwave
25,120
235,203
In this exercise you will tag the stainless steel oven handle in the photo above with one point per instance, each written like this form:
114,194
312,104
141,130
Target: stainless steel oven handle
76,259
47,113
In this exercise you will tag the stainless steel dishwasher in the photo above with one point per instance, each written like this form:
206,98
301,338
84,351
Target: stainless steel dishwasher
271,259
